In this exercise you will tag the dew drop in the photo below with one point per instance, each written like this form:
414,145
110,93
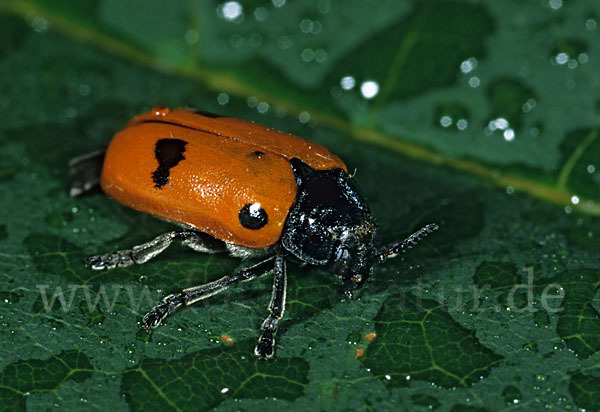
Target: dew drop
320,55
369,89
192,37
591,24
256,40
446,121
39,24
285,42
261,13
304,117
223,99
307,55
262,107
347,82
252,102
231,10
561,58
160,111
555,4
468,65
84,89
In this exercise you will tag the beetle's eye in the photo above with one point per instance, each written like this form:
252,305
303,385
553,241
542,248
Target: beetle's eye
253,216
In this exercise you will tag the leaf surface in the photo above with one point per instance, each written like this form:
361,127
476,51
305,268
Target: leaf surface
480,116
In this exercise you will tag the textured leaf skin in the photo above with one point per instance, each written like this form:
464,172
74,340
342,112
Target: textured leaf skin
498,310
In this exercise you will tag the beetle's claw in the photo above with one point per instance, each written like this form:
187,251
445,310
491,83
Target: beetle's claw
264,348
94,262
155,317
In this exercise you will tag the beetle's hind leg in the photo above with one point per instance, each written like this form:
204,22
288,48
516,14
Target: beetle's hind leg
139,254
392,250
192,295
266,342
84,172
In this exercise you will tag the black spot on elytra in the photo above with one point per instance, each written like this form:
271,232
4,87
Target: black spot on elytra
258,154
169,152
252,216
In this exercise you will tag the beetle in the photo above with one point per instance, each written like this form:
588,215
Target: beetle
241,188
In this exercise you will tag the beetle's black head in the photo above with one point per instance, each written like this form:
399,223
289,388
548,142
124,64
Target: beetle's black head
330,223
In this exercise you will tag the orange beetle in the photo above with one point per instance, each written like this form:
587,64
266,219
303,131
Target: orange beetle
242,188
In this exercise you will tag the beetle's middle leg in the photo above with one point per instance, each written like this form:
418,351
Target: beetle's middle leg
192,295
139,254
264,348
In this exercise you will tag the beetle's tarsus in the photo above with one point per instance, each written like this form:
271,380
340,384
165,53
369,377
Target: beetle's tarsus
155,317
266,343
121,258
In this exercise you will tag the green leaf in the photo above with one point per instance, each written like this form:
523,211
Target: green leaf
484,119
425,344
206,378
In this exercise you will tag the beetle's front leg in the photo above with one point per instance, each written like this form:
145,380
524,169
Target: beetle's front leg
265,347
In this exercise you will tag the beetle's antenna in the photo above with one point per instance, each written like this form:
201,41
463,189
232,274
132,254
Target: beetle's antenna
393,249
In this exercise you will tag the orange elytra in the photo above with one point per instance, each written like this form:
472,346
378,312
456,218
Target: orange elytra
200,170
